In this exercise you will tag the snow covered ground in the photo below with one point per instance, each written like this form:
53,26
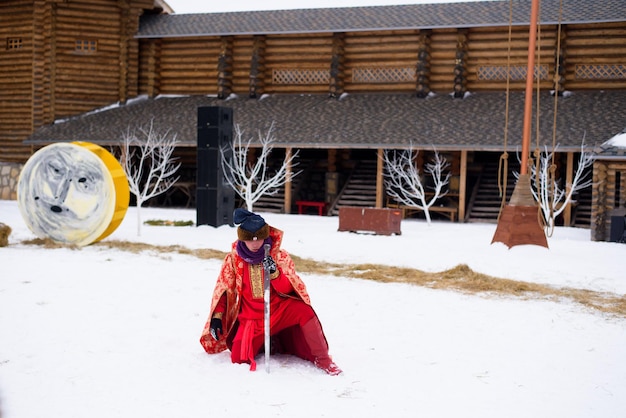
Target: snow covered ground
95,332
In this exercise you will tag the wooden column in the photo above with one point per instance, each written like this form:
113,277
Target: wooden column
462,185
559,66
460,82
126,35
289,171
153,47
422,84
332,177
225,68
257,67
336,65
380,188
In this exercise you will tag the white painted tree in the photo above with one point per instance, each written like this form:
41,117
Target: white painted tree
404,183
548,191
148,163
253,179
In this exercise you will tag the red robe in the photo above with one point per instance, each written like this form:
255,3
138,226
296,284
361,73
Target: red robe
230,281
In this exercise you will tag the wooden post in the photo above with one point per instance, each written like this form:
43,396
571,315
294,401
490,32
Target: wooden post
336,65
459,65
257,67
422,82
462,185
225,68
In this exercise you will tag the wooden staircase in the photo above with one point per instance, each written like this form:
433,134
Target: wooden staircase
485,201
581,213
276,203
360,188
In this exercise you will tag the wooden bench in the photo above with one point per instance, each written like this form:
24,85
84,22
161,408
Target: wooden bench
447,211
187,191
304,204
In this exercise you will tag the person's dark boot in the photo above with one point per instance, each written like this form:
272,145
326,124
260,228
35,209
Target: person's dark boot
316,341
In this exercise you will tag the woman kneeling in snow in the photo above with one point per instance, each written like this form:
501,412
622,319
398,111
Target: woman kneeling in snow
236,318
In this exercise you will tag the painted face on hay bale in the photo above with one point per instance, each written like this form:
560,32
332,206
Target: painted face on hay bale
66,193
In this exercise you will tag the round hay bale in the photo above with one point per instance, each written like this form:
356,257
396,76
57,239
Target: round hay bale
5,231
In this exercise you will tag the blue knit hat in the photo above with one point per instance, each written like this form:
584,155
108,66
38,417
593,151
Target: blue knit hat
252,227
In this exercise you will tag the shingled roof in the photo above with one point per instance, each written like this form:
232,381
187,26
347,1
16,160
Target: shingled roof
354,19
365,121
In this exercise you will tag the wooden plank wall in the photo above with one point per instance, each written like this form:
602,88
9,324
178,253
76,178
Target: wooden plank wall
49,78
605,195
46,78
598,49
16,71
489,54
303,58
242,76
189,65
84,81
378,54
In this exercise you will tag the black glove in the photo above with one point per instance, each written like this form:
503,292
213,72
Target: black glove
269,264
216,328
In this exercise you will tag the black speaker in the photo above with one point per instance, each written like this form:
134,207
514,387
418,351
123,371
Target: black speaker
215,199
215,206
215,126
618,229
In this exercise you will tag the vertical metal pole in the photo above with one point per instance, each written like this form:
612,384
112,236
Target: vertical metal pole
530,75
266,310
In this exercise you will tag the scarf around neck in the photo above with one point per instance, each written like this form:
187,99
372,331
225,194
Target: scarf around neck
252,257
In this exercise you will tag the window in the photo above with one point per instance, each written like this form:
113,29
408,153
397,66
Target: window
86,46
14,43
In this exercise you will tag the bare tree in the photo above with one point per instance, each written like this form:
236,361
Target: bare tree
253,179
403,181
148,163
547,189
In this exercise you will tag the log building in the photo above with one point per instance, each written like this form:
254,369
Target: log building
338,85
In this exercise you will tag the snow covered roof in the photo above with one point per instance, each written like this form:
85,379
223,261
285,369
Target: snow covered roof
618,141
614,148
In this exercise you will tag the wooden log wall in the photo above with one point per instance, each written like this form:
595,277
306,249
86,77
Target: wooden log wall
243,54
422,82
149,81
298,63
44,76
337,67
256,81
16,83
72,57
608,194
225,68
101,72
441,61
189,65
490,54
381,61
595,56
443,45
